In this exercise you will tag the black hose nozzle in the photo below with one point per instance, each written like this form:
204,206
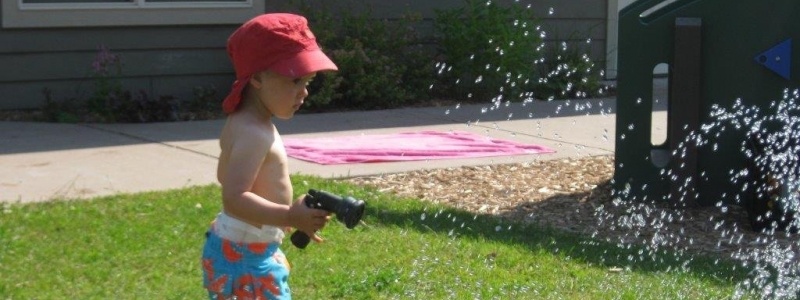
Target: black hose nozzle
347,209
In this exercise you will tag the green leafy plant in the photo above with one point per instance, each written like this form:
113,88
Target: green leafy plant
64,111
205,104
381,63
568,72
373,79
484,51
109,102
141,108
205,99
488,50
106,70
322,90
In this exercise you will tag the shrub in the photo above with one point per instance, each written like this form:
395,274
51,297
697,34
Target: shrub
322,91
109,102
59,111
205,104
381,63
568,73
141,108
489,50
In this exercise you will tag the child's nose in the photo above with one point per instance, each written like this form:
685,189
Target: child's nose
304,92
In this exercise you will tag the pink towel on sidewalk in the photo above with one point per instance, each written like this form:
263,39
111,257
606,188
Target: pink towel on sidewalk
408,146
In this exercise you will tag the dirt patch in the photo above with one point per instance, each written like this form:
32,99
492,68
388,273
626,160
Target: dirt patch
576,195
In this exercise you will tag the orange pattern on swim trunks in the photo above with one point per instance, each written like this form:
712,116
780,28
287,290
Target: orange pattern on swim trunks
268,282
218,285
208,265
258,248
247,289
229,252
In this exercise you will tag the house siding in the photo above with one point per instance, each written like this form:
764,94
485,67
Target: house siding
172,60
158,60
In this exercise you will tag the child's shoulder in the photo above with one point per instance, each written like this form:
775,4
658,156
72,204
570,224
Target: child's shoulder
247,126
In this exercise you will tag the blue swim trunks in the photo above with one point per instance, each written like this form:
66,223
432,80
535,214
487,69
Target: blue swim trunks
236,270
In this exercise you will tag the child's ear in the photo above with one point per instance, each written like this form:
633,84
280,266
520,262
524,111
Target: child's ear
257,80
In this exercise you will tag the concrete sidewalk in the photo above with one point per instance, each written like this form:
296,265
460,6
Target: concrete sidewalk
42,161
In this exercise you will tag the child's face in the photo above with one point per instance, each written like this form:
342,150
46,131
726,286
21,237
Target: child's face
282,95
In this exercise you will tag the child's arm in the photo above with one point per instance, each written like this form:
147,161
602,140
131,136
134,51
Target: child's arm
246,157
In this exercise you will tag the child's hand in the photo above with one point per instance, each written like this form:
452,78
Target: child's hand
308,220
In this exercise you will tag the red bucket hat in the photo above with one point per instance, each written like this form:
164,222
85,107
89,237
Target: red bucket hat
278,42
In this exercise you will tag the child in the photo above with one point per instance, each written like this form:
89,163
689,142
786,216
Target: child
274,56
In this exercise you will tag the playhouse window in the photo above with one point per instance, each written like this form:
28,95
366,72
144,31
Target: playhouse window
86,13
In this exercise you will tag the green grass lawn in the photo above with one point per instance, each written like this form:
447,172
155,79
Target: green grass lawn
147,246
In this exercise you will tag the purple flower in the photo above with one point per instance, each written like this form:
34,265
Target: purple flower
103,60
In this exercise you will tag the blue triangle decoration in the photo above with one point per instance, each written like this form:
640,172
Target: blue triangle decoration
778,59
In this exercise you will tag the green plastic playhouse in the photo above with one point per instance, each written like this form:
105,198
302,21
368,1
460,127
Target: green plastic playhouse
717,51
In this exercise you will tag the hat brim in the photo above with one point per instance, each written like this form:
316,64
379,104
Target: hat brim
299,65
304,63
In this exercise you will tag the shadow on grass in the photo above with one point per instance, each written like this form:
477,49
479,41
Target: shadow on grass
408,213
